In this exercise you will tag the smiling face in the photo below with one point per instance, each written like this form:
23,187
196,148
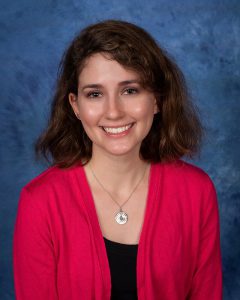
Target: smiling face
115,110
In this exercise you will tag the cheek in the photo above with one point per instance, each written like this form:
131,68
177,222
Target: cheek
89,115
144,110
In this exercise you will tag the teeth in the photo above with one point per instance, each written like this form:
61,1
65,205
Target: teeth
116,130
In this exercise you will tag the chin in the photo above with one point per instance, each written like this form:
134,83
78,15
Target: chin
123,151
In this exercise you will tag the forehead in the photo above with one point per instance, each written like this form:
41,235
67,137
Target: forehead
101,67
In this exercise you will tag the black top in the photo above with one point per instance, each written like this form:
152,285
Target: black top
122,262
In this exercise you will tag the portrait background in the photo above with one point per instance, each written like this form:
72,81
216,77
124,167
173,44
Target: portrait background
203,37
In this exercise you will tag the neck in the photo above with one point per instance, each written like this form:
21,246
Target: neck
118,173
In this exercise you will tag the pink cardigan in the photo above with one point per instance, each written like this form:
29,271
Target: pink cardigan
59,251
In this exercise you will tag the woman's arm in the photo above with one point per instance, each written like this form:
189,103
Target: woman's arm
207,279
33,256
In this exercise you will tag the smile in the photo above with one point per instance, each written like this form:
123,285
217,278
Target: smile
116,130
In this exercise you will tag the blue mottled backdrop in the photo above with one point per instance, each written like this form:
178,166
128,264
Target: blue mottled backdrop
204,38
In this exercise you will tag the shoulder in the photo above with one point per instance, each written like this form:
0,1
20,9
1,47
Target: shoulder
53,176
189,185
50,185
186,174
188,169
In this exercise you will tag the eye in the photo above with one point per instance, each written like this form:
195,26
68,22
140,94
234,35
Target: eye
130,91
94,94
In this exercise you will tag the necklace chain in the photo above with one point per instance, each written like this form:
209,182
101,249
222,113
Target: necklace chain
102,186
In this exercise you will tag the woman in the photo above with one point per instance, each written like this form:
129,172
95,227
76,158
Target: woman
118,214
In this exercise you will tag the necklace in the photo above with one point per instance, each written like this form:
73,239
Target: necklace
121,217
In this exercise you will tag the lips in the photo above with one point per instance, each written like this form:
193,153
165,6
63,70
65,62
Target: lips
117,130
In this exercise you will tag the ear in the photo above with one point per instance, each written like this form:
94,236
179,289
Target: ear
156,109
73,102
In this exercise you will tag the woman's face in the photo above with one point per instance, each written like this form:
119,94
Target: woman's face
115,110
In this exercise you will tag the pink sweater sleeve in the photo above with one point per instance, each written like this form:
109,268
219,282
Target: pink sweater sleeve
207,279
33,257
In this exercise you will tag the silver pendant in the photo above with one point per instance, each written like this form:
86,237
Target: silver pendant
121,217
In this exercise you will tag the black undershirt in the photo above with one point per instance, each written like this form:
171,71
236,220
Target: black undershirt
122,262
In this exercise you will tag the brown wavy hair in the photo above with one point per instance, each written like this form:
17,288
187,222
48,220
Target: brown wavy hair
176,130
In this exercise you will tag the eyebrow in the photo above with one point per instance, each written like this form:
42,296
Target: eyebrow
95,85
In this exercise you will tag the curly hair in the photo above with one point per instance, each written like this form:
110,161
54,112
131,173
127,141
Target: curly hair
176,130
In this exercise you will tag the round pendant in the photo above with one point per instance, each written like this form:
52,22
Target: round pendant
121,217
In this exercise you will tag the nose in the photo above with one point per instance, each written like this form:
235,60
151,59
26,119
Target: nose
114,108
